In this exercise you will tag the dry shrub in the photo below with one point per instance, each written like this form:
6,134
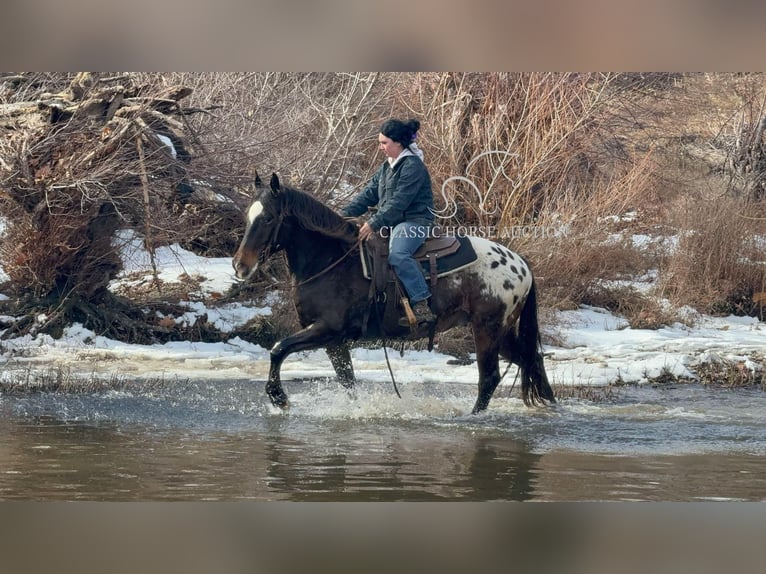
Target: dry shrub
719,264
589,240
521,139
318,130
574,265
457,342
76,166
537,152
642,311
714,125
64,252
95,163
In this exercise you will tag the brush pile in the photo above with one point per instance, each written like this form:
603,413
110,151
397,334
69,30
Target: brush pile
100,155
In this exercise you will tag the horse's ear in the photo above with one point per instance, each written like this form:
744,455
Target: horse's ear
258,182
274,184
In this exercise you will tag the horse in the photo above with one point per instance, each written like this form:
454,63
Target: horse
495,295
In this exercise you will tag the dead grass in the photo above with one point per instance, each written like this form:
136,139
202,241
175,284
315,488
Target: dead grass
678,185
571,273
719,263
62,380
732,374
641,311
668,377
457,342
590,393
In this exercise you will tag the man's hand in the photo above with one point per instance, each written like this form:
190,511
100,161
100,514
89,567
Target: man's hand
365,231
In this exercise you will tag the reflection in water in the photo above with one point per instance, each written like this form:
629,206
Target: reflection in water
402,464
223,443
47,459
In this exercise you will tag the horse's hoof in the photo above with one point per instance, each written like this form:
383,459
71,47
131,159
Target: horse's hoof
280,402
283,406
279,399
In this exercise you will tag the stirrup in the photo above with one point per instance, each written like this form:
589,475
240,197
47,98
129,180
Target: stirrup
413,319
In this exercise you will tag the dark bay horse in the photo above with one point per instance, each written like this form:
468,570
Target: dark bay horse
495,295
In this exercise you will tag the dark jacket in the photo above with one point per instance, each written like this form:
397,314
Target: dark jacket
401,193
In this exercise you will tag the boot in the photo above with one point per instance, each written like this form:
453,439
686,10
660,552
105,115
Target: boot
422,313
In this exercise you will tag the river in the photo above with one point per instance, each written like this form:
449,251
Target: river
221,440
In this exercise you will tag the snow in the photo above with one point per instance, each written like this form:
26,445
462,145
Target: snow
172,263
168,143
602,348
594,346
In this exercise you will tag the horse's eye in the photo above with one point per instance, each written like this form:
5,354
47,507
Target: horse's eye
267,219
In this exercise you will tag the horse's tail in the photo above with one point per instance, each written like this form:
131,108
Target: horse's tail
535,388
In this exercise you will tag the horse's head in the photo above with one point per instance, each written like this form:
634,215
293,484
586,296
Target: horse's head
264,218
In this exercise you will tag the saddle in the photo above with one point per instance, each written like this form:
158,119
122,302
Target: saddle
375,257
439,255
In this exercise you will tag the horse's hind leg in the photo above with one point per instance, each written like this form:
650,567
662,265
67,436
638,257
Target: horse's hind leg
489,368
340,357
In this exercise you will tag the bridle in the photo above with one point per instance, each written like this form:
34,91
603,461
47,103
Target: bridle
273,245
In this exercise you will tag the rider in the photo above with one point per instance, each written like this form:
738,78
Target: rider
401,190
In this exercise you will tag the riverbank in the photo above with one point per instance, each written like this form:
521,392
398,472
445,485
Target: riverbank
584,347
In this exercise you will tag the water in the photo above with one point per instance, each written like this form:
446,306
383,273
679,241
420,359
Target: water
221,440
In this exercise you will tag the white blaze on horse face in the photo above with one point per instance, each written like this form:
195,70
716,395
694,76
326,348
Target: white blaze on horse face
504,273
255,210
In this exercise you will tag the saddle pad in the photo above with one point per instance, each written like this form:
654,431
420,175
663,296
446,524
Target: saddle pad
445,265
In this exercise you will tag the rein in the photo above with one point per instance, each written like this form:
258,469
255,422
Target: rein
390,370
385,350
331,265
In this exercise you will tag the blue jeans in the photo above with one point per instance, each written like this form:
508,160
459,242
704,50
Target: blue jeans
406,238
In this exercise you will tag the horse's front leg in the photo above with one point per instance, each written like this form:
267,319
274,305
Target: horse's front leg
312,337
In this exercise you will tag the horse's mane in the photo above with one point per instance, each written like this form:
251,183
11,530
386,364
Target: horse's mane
314,215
